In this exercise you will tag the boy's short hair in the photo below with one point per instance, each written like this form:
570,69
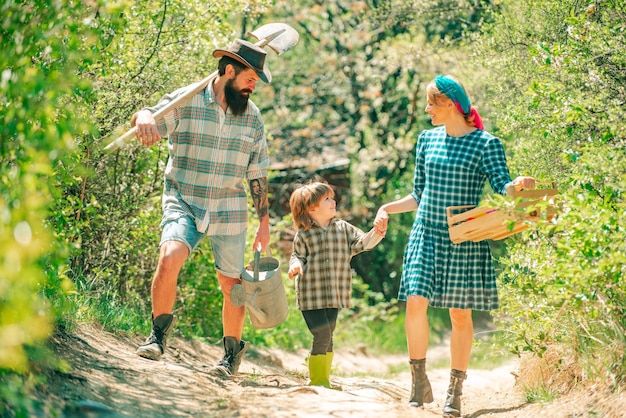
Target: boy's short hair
306,197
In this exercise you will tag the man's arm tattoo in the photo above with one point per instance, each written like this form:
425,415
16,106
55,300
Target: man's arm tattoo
258,190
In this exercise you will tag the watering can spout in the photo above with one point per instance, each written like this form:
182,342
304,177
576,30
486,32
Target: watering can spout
259,313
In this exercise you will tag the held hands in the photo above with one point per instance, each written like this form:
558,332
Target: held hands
381,221
147,132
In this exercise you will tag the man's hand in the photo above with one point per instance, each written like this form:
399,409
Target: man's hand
147,132
262,236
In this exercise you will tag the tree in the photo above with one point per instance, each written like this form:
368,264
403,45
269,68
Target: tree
568,60
111,211
70,73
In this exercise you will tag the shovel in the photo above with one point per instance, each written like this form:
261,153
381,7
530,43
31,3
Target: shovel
280,37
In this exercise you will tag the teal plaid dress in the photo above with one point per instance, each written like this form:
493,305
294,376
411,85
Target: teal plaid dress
452,171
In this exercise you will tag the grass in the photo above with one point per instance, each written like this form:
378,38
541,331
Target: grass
252,379
539,394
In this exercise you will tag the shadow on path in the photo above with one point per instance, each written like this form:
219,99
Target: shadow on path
490,411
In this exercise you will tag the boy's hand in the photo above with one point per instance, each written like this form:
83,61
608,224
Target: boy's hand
294,271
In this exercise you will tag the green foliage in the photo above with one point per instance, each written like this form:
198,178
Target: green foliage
565,284
17,388
355,85
108,206
79,229
370,321
41,53
199,302
76,224
540,394
14,389
45,45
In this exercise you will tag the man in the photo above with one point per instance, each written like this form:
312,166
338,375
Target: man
215,141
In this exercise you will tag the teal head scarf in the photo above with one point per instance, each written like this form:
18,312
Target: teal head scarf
455,92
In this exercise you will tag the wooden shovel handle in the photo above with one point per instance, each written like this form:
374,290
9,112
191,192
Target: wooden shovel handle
179,101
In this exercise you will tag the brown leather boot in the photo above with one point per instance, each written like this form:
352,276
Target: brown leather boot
233,354
154,347
421,391
452,408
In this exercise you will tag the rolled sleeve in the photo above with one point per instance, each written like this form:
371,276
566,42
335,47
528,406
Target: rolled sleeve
259,159
298,256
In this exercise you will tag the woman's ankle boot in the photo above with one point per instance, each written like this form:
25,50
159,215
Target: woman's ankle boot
421,391
452,408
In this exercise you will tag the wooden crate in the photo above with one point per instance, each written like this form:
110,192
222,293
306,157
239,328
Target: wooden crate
468,223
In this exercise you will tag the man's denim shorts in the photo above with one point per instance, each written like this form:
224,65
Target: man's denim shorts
228,250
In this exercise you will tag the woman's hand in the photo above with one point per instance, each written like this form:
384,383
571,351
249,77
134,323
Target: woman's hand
524,182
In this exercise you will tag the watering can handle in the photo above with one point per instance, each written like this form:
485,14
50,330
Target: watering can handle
268,251
257,258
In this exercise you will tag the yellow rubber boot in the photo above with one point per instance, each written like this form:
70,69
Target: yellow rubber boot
317,370
329,366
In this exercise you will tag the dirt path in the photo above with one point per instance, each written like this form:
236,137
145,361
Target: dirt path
108,380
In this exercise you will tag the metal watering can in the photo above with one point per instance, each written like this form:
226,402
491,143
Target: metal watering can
262,291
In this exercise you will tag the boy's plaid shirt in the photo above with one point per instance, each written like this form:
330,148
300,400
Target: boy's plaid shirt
324,255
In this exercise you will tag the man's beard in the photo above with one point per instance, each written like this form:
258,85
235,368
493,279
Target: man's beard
236,101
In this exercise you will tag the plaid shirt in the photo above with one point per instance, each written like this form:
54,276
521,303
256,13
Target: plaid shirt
210,153
324,254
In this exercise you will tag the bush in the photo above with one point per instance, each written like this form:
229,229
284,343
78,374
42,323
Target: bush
563,286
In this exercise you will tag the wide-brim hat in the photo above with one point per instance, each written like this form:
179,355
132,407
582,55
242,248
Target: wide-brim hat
248,54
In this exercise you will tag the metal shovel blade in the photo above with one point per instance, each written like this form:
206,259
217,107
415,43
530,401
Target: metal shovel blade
279,36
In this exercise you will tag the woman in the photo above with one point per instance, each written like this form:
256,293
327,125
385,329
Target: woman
452,164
